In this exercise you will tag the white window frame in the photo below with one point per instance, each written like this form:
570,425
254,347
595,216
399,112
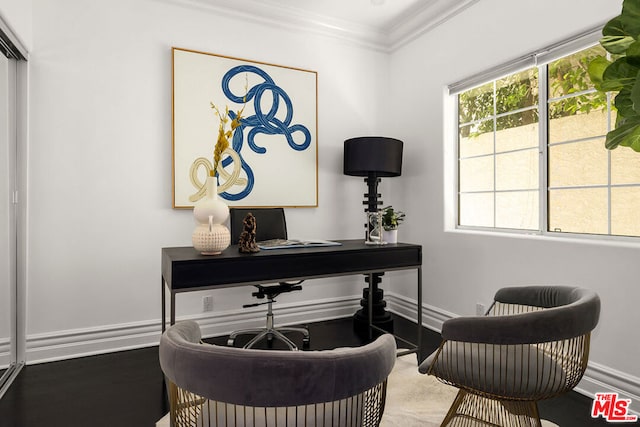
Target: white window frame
539,59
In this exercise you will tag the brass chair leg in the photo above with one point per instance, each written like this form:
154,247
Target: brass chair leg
453,410
472,410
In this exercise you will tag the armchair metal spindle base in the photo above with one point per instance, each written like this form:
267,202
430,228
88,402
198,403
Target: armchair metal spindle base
473,410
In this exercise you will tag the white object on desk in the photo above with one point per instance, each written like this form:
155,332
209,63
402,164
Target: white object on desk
294,243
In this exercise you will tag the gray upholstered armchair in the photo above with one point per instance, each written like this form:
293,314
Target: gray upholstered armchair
533,344
212,385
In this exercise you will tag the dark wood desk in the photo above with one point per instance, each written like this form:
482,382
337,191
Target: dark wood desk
184,269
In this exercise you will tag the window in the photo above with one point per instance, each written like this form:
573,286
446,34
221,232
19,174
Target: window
531,154
498,153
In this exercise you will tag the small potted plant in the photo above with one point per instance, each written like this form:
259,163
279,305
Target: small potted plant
391,219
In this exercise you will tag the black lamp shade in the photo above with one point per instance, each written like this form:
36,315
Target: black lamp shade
375,155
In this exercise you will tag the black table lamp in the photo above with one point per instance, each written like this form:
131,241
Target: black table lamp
373,157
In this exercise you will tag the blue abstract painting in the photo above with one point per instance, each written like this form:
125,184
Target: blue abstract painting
273,161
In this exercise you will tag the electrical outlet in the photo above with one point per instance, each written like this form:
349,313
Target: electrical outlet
480,309
207,303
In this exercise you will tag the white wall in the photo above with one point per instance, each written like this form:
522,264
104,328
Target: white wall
100,162
464,268
17,15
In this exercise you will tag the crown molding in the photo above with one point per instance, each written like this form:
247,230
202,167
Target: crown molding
289,18
418,21
407,27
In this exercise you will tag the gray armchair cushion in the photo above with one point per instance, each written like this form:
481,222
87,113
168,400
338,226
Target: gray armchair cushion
271,378
518,371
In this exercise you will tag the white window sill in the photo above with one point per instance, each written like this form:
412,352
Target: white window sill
611,241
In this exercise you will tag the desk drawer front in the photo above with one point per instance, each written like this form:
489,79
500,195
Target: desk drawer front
290,265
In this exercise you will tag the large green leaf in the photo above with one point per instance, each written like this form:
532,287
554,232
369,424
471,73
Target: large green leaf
619,120
620,32
621,36
633,50
632,140
619,74
633,53
624,104
615,37
616,44
596,70
614,27
631,17
635,94
627,134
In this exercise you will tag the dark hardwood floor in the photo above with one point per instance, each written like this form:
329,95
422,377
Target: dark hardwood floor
126,389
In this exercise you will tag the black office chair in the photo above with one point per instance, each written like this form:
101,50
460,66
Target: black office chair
270,224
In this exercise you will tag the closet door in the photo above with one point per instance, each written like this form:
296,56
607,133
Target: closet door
13,95
7,218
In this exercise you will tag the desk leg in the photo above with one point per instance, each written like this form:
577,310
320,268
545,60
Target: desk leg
419,352
173,308
164,309
370,307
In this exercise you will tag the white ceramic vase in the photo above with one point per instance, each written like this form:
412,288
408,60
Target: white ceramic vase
211,239
211,236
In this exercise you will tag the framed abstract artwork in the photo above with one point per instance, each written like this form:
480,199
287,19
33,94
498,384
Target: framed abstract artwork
273,159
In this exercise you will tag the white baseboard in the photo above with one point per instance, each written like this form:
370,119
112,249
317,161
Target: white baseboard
432,317
75,343
599,379
85,342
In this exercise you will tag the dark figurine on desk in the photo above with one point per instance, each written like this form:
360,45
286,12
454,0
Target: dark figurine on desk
247,243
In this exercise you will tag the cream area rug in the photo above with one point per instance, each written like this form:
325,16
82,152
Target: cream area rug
413,399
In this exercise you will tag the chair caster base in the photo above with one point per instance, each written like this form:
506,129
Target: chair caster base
270,335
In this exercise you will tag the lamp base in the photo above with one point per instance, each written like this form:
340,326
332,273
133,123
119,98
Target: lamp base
381,317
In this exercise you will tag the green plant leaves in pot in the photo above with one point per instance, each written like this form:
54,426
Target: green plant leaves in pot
622,75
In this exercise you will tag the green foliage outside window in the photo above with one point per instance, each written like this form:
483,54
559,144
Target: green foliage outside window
569,76
568,79
513,92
